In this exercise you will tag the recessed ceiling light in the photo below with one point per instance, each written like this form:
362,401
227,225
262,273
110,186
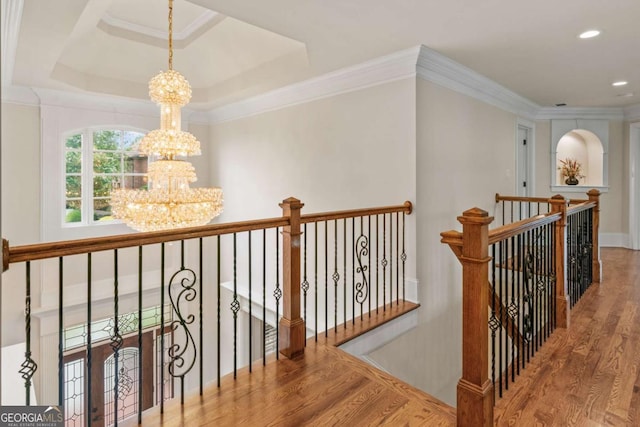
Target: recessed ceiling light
589,34
620,83
561,104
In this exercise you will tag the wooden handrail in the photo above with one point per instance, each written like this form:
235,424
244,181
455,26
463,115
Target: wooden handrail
500,198
507,231
571,210
407,208
96,244
454,238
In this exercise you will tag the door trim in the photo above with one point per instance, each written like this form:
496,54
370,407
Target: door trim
531,171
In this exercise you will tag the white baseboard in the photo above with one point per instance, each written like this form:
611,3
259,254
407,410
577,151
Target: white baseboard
614,240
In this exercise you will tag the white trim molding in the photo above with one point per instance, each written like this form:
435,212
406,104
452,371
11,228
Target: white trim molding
397,66
603,113
614,240
437,68
11,19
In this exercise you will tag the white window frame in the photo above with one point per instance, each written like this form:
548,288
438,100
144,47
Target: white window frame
60,117
87,173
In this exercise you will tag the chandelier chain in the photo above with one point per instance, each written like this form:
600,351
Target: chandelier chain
171,34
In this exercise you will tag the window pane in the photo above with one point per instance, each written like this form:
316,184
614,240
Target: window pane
74,141
74,161
102,185
72,211
106,162
74,186
131,181
130,140
101,210
107,140
135,163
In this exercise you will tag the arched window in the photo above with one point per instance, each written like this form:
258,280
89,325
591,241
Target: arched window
96,161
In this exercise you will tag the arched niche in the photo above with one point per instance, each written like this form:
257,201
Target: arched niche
586,141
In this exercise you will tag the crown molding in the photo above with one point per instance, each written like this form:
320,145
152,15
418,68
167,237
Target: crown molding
396,66
97,102
437,68
11,20
20,95
603,113
117,23
632,113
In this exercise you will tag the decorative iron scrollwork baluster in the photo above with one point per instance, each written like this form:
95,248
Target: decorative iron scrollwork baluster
181,292
362,286
28,367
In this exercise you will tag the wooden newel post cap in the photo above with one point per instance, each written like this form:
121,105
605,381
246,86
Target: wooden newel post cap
557,199
475,216
291,203
593,193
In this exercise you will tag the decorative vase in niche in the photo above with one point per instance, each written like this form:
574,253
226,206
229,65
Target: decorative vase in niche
571,180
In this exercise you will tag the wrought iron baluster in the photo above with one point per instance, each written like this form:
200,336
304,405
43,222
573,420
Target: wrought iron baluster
305,282
250,306
315,293
182,291
390,260
116,337
326,279
513,309
60,331
89,403
403,257
397,259
277,293
140,350
519,266
200,320
362,287
344,270
493,321
218,321
264,297
384,262
29,366
501,315
377,265
162,320
353,272
235,307
369,263
336,275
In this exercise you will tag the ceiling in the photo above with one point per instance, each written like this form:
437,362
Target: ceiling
231,49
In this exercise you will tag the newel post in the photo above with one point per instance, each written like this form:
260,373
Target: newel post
594,196
292,328
559,204
475,389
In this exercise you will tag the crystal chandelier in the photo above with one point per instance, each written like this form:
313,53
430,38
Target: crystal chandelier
168,202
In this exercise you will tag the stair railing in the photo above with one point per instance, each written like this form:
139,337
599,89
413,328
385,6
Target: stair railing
519,282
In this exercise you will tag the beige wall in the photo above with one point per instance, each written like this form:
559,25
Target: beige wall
465,154
20,206
352,150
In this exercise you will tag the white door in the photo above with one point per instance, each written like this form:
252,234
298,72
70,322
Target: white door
522,166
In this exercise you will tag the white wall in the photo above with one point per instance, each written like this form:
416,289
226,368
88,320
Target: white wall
465,154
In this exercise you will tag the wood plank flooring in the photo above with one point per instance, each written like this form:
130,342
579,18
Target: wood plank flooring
588,374
327,387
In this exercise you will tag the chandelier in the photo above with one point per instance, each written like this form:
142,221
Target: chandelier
168,202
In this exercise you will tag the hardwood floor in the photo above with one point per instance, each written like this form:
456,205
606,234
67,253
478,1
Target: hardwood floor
326,387
587,375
